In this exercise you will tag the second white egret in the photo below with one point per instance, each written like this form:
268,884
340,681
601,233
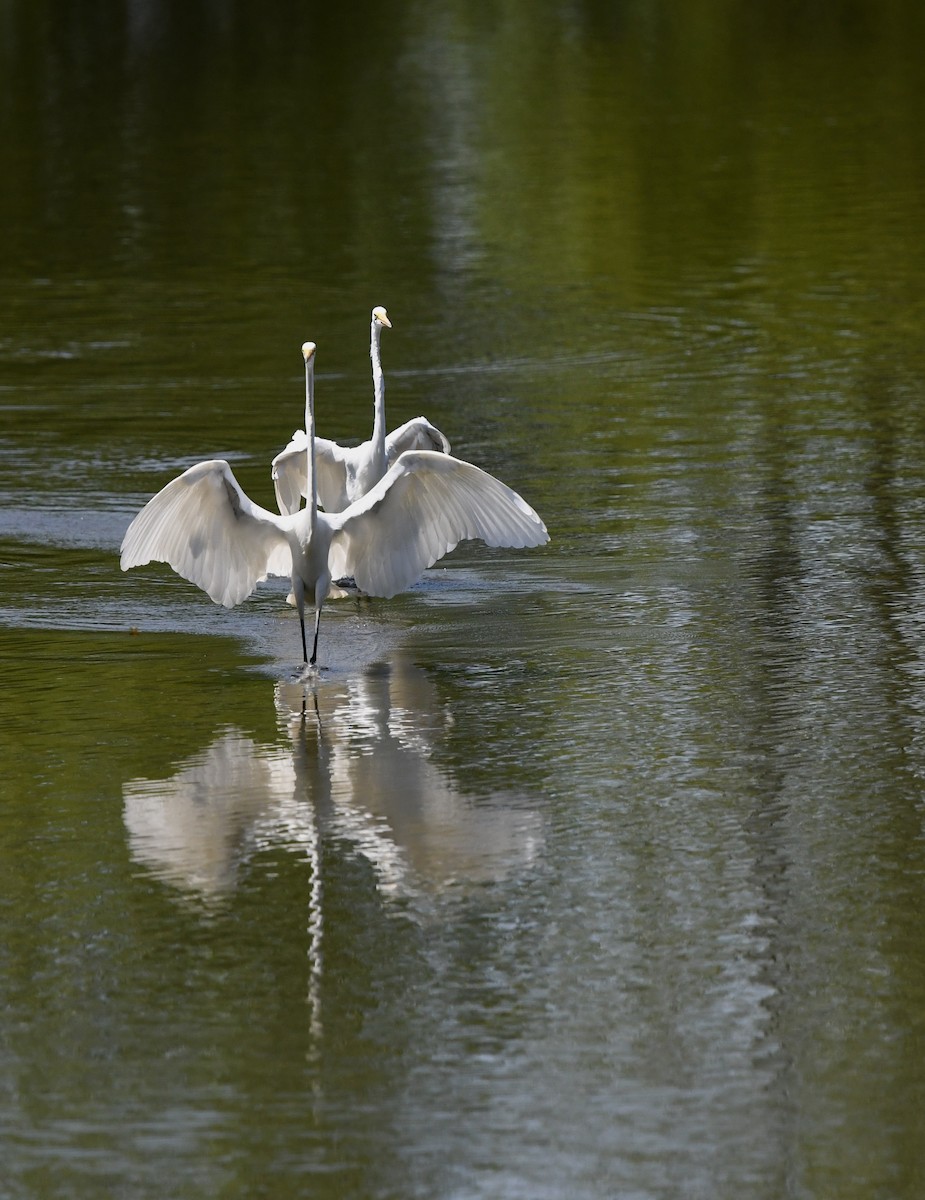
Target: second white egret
345,473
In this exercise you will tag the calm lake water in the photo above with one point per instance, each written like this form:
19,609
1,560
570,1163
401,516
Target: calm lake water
593,871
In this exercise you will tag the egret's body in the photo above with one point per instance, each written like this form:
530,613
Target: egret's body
207,529
343,474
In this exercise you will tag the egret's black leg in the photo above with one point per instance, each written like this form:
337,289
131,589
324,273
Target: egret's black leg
315,645
304,646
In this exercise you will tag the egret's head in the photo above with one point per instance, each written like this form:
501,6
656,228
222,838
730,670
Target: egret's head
381,316
308,350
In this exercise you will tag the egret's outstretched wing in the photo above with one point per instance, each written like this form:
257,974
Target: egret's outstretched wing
205,527
425,504
290,474
416,434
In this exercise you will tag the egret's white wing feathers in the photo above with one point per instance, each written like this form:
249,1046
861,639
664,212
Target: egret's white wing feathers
420,510
206,528
290,473
335,464
416,434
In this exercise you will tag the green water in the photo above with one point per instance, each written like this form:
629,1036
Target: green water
594,870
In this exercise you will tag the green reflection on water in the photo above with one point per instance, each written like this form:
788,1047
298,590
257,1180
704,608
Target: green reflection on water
660,267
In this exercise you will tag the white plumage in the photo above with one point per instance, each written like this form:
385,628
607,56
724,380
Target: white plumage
423,507
345,473
204,526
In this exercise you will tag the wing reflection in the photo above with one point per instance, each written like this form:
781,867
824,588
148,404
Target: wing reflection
359,768
395,804
195,829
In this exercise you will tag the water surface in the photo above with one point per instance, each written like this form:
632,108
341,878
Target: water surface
594,870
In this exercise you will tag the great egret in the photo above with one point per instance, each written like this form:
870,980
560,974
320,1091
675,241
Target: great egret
344,474
207,529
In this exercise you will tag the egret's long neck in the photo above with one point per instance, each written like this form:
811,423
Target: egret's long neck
378,438
311,490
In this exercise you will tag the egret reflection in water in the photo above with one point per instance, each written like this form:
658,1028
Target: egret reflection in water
357,765
196,829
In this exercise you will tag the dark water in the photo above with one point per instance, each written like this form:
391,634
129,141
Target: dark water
592,871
